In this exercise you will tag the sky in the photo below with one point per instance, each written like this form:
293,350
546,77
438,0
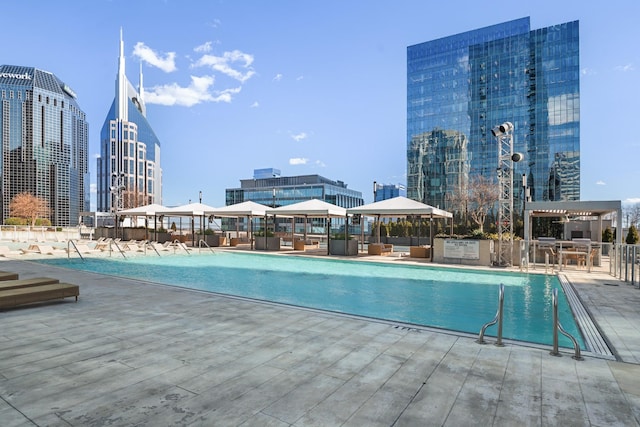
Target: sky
308,87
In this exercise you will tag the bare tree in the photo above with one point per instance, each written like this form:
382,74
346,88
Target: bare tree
28,206
482,196
632,214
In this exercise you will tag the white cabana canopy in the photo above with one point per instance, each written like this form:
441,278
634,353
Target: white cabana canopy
242,209
309,208
192,209
399,207
148,210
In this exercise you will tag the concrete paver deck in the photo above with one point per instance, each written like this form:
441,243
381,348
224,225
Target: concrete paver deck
134,353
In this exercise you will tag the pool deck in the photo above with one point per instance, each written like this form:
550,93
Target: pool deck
136,353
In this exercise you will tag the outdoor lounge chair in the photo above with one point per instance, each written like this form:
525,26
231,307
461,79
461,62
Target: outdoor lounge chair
14,297
83,249
45,250
8,275
26,283
5,251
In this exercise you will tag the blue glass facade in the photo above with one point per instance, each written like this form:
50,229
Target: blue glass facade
460,87
44,139
389,191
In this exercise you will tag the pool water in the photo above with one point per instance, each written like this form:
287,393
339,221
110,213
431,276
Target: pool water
448,298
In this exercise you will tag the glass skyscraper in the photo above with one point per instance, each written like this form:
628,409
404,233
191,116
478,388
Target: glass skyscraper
129,173
44,136
462,86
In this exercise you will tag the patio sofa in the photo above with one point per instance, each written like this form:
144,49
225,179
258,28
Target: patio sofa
380,249
420,251
303,245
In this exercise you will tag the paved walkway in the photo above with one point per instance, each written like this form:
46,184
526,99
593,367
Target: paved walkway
133,353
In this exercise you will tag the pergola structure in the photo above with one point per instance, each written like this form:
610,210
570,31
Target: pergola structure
569,209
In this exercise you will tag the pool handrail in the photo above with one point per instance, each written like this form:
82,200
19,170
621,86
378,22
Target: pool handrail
201,242
70,243
113,242
558,327
497,319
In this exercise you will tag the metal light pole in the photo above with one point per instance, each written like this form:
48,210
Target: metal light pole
375,190
202,219
506,158
118,185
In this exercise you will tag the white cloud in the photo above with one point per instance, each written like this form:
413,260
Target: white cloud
299,137
206,47
215,23
625,68
600,182
146,54
255,104
197,92
225,64
587,72
299,78
632,200
320,163
298,161
277,77
558,106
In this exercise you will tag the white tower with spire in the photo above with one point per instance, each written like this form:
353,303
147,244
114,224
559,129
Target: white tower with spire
121,85
129,165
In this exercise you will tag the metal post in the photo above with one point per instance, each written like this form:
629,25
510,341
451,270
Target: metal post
506,158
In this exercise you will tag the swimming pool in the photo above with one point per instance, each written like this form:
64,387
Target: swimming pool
448,298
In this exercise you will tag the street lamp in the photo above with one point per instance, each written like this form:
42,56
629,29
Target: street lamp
201,219
375,190
116,189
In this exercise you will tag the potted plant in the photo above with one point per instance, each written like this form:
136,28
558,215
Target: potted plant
267,241
340,244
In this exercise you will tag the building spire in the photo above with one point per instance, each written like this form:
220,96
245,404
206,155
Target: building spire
141,88
122,112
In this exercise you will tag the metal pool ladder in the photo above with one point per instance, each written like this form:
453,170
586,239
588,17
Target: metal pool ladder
558,327
497,319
